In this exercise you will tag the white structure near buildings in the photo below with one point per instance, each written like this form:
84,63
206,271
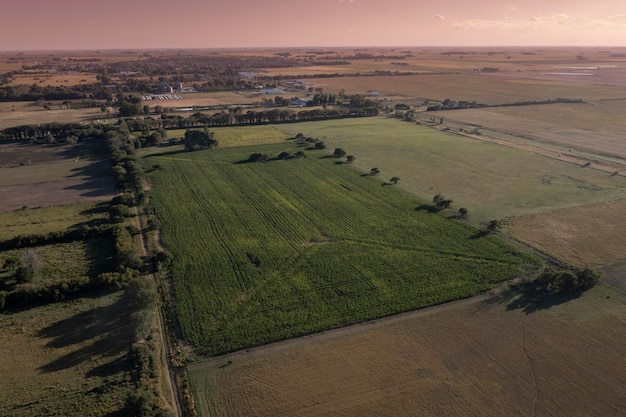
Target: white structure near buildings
271,91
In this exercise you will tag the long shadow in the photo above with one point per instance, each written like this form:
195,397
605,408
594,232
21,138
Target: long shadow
530,304
96,168
100,251
427,208
479,234
516,297
95,187
68,151
99,208
103,332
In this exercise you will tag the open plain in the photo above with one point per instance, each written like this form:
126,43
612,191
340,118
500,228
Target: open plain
268,251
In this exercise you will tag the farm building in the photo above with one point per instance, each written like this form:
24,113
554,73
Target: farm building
301,102
272,91
164,88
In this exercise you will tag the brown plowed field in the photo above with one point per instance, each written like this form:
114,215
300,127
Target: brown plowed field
38,176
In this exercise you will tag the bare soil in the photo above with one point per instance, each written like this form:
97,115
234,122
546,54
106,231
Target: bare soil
39,176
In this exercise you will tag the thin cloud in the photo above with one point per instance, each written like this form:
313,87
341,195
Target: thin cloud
544,21
440,17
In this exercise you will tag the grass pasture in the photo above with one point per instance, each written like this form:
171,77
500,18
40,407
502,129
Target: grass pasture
490,180
56,263
72,359
26,113
488,356
269,251
229,137
51,219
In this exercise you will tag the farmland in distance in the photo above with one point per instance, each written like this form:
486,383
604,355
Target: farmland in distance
269,251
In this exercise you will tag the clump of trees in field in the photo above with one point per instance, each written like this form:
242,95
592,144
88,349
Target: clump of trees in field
448,104
195,140
441,202
553,282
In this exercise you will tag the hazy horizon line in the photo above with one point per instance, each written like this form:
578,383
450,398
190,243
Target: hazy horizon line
154,48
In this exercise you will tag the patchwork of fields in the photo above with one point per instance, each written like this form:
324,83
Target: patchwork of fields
268,251
488,356
306,250
490,180
483,88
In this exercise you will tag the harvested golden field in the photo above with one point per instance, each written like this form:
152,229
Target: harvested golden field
21,113
71,356
54,79
498,355
582,236
596,128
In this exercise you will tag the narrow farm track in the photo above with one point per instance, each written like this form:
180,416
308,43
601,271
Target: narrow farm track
172,395
531,365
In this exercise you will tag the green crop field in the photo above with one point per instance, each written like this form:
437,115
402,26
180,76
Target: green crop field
241,136
268,251
490,180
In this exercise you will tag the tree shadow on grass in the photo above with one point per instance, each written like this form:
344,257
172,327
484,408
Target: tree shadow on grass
99,208
103,332
479,234
427,208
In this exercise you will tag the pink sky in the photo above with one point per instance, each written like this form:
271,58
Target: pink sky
112,24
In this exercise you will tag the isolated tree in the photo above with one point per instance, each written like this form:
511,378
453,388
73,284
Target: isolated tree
320,145
350,159
258,157
374,171
300,154
284,155
196,139
441,202
339,153
462,214
493,225
394,180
